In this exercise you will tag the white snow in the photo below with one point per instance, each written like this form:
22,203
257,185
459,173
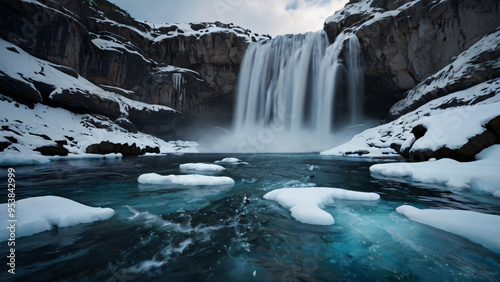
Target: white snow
201,168
483,229
184,29
189,180
40,214
306,204
109,45
454,128
480,175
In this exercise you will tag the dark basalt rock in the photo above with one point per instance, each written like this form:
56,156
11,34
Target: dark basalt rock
127,125
56,150
4,145
80,101
20,90
107,147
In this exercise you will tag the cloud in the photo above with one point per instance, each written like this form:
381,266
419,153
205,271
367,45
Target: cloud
261,16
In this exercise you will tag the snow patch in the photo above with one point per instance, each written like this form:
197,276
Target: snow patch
306,204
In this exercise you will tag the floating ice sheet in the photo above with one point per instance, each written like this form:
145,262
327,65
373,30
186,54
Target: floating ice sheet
201,168
480,228
189,180
306,204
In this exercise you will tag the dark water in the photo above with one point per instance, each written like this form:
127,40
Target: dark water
235,235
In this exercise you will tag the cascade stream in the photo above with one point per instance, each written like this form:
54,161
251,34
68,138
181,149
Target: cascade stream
296,89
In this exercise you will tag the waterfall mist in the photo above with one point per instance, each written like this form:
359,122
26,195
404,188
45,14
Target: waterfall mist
296,93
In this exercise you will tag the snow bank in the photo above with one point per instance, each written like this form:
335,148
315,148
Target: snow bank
185,180
306,204
483,229
43,125
451,127
40,214
201,168
480,175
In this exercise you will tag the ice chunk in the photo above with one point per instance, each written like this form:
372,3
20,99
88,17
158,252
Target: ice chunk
201,168
230,161
40,214
450,172
306,204
480,228
189,180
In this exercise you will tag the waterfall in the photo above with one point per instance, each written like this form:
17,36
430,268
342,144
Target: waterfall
291,87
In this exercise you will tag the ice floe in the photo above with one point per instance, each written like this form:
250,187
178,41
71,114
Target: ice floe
306,204
480,228
189,180
43,213
201,168
233,161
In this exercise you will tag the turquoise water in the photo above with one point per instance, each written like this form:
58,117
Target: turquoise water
234,234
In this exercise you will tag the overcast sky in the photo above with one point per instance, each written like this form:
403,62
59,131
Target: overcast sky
261,16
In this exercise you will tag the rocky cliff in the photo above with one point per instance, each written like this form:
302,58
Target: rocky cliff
189,67
405,42
433,65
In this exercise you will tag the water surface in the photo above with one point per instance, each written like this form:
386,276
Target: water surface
212,234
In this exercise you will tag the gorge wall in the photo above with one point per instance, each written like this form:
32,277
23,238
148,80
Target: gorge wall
191,68
405,41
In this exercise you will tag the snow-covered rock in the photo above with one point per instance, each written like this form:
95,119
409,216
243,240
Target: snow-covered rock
201,168
481,175
405,42
38,214
480,228
189,67
24,130
191,180
473,66
449,123
307,204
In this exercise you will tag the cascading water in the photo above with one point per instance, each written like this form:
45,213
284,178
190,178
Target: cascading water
290,89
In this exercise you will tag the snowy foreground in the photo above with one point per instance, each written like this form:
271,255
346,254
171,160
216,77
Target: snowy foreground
306,204
480,228
38,214
481,175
